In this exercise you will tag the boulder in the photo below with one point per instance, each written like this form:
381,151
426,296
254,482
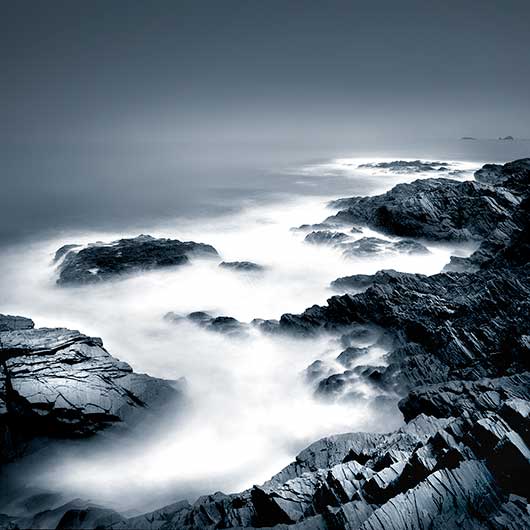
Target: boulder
61,383
103,261
242,266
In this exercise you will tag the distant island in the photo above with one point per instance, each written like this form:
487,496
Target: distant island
502,138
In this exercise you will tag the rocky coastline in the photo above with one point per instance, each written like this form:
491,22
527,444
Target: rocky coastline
459,358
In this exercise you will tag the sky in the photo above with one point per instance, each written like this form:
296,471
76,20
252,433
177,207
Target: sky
116,111
264,70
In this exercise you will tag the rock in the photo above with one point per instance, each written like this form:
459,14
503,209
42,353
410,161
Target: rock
61,252
15,323
408,166
351,354
368,246
59,382
219,324
103,261
319,226
361,282
242,266
316,371
200,317
326,237
513,175
432,209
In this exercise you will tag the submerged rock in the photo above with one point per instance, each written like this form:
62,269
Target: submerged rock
325,237
102,261
242,266
408,166
368,246
56,382
220,324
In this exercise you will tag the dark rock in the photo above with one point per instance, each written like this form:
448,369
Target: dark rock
326,237
368,246
432,209
242,266
219,324
319,226
91,517
351,354
361,282
102,261
15,323
408,166
61,252
200,316
316,371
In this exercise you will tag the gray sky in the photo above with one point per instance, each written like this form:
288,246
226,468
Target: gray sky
260,70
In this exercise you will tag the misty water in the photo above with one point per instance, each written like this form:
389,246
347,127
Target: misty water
248,409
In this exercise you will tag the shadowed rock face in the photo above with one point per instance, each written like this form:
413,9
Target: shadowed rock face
432,209
101,261
59,382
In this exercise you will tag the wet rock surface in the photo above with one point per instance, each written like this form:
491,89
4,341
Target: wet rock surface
458,354
103,261
60,383
432,209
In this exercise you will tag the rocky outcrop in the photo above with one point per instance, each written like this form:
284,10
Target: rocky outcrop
433,209
103,261
365,246
369,246
219,324
242,266
61,383
326,237
408,166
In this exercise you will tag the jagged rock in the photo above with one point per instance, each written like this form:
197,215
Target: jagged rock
513,175
318,226
432,209
220,324
326,237
59,382
14,323
361,282
316,371
408,166
351,354
242,266
90,517
368,246
102,261
61,252
471,398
